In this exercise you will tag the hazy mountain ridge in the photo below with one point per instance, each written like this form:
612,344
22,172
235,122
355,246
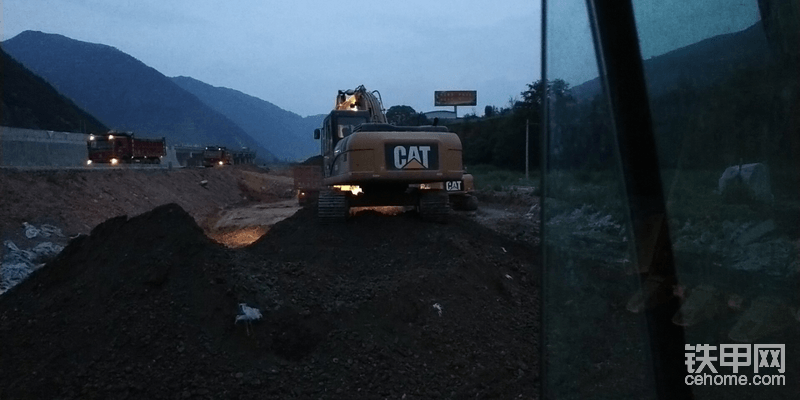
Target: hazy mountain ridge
125,93
288,135
28,101
699,64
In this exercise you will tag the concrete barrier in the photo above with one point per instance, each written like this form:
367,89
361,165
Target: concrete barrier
189,156
171,159
38,148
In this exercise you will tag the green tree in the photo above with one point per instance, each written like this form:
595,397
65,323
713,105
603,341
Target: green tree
558,89
499,138
403,116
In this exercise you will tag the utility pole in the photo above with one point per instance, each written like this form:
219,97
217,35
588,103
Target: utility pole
527,147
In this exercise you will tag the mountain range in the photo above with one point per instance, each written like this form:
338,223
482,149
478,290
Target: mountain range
287,134
700,64
126,95
28,101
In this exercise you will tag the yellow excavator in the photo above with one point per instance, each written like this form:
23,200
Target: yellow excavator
368,162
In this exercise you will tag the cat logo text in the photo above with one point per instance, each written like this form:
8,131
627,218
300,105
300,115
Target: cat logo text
411,157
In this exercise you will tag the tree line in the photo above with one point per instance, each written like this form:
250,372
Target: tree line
498,137
749,116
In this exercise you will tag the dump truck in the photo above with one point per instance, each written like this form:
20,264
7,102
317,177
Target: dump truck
307,184
216,156
368,162
124,147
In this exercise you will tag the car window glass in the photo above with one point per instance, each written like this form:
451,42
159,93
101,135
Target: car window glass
724,96
596,346
723,88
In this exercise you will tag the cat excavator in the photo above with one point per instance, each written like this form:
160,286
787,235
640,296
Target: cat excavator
368,162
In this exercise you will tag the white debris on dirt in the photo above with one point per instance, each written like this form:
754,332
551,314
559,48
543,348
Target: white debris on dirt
587,220
30,230
533,211
46,249
587,228
744,246
44,231
15,254
12,274
438,308
48,230
18,263
247,313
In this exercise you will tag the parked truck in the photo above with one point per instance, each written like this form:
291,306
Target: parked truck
307,183
216,156
123,147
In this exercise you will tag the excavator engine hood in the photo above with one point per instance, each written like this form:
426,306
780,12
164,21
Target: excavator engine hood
416,155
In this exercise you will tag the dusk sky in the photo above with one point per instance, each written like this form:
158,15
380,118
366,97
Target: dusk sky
297,54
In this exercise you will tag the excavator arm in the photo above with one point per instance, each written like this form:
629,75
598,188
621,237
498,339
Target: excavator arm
362,100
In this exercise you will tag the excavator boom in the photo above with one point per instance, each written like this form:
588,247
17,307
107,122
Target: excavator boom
362,100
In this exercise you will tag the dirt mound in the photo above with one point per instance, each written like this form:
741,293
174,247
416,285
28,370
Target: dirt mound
433,310
128,308
382,306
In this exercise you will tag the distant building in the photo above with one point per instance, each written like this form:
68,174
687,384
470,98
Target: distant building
440,114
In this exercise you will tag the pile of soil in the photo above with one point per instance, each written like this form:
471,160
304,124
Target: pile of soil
380,307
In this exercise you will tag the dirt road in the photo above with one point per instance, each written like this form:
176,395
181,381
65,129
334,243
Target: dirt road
242,225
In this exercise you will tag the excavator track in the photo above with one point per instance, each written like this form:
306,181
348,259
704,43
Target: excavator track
464,202
332,207
434,206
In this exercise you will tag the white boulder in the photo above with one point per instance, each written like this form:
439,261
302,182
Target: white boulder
754,176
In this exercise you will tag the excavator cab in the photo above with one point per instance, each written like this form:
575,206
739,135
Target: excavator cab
347,125
337,126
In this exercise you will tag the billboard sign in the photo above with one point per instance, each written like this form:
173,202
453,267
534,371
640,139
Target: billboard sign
455,98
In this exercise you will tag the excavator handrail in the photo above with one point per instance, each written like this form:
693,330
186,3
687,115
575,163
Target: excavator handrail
375,127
